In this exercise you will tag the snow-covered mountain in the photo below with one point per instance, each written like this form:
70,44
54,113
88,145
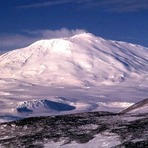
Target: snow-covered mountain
137,108
79,60
69,75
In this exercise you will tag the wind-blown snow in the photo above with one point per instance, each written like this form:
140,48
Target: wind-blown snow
84,67
101,140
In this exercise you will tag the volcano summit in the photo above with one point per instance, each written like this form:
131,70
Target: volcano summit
87,72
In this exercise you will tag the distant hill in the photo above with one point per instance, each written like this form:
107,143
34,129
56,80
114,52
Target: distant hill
138,108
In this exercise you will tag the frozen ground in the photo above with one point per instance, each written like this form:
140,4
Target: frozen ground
70,75
26,101
104,140
88,130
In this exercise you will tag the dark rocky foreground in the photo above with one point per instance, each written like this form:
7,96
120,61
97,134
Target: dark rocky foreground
36,131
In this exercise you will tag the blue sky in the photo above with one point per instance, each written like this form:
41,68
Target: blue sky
23,22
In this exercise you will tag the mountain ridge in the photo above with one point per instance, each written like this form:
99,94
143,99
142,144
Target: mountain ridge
91,73
84,56
139,108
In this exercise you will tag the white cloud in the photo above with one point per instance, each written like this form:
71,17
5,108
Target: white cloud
118,5
46,4
9,42
14,41
51,3
106,5
61,33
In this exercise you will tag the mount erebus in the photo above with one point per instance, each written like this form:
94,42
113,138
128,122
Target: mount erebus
83,72
81,59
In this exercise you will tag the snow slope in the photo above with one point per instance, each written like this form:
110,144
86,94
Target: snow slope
138,108
101,141
80,60
89,72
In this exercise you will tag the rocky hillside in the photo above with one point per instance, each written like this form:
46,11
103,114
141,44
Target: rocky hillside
95,129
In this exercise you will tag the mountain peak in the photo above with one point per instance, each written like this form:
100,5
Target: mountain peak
58,45
83,59
66,40
86,34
